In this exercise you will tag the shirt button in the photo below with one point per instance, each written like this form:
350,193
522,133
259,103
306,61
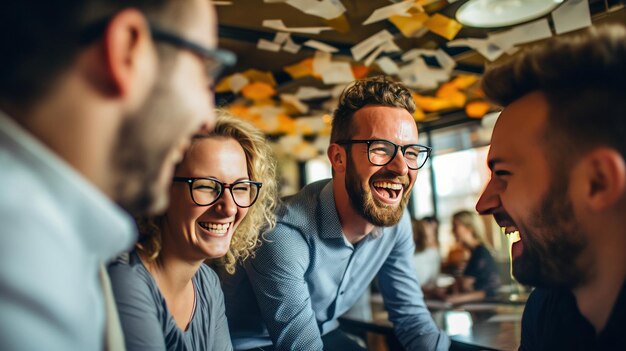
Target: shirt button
341,293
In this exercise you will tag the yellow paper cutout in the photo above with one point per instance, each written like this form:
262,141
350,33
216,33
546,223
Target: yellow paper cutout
410,26
285,124
290,109
464,81
419,115
255,75
449,92
476,109
301,69
340,24
444,26
238,110
223,86
360,71
432,6
432,104
258,91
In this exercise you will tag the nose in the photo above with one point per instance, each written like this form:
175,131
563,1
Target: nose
226,205
398,164
489,200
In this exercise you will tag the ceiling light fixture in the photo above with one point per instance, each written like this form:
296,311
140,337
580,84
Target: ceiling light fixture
502,13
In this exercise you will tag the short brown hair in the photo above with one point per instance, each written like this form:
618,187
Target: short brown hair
378,90
582,78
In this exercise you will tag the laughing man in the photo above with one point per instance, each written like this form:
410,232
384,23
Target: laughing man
336,235
561,182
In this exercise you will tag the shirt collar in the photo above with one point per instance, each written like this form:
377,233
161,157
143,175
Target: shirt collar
330,226
104,227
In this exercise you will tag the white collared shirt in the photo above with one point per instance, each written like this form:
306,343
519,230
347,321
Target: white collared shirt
56,229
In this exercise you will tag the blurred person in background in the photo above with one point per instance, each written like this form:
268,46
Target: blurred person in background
97,101
480,278
426,258
168,298
432,225
558,178
457,259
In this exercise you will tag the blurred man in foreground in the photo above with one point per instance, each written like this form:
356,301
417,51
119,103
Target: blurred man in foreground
97,101
558,164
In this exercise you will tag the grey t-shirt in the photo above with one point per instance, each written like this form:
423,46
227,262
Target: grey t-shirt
148,324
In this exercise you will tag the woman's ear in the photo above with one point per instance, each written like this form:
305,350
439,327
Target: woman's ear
338,157
604,170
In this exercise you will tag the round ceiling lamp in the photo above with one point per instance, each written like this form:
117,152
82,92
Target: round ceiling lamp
502,13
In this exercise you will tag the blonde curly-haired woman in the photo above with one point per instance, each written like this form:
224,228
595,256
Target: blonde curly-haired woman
224,192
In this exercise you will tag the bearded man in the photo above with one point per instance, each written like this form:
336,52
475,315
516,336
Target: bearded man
336,235
98,99
558,164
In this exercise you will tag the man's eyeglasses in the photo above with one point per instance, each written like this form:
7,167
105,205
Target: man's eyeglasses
216,60
380,152
206,191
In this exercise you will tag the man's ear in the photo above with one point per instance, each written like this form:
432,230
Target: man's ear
130,57
605,172
338,157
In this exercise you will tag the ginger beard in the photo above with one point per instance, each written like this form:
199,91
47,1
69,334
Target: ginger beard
370,208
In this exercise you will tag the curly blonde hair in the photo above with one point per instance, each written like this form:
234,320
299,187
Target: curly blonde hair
260,216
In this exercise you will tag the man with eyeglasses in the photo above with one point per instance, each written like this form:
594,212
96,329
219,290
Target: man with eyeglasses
98,99
335,236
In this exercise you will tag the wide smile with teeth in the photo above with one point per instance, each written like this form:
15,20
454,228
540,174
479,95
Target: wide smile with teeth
215,228
512,232
388,190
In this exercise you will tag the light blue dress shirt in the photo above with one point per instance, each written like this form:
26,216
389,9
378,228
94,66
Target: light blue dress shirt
56,230
306,274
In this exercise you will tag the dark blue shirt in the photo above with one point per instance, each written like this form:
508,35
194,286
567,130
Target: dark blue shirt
483,268
552,321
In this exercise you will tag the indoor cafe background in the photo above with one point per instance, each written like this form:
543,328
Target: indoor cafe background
296,56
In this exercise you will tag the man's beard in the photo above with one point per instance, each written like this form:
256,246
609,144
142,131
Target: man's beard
374,211
141,155
553,249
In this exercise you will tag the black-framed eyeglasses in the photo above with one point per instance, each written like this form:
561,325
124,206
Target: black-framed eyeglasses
381,151
206,191
216,60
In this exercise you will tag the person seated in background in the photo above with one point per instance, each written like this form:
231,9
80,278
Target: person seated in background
558,178
426,258
480,278
431,223
457,258
335,235
168,299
